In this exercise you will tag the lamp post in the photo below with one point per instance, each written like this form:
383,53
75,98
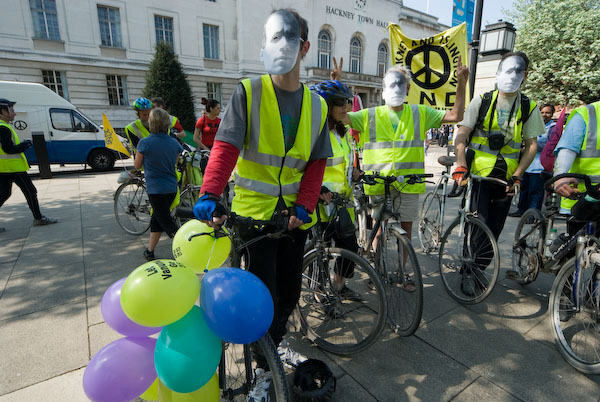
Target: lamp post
475,46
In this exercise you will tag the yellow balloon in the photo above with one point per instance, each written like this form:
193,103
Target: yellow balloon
203,252
208,393
151,394
159,293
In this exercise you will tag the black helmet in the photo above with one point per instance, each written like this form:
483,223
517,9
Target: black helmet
331,90
313,382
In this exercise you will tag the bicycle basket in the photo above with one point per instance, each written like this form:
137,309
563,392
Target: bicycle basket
313,382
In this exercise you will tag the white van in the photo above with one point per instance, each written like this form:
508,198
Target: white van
70,136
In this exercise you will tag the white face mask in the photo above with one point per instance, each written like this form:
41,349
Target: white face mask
510,74
394,88
282,43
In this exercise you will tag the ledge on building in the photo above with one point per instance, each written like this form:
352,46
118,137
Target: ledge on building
364,79
213,63
52,45
113,52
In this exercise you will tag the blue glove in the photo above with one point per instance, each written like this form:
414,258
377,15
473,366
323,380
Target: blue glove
302,214
27,144
208,206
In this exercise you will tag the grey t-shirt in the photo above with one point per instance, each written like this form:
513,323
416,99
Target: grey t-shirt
233,125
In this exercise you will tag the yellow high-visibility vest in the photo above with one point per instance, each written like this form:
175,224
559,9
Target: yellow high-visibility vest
12,162
338,171
265,171
136,128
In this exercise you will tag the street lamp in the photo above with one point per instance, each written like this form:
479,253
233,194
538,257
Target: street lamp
497,38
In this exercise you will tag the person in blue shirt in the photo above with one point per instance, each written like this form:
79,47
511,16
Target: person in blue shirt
158,154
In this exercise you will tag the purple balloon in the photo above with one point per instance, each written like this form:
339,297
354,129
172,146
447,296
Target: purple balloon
121,371
115,317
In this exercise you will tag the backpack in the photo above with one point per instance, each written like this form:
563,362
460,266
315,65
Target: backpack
547,156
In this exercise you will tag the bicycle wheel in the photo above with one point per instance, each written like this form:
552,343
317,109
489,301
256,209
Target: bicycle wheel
576,330
132,207
334,320
528,246
401,276
429,222
237,371
469,261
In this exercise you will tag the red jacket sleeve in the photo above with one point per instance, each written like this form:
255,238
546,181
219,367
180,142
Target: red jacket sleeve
310,186
223,157
178,126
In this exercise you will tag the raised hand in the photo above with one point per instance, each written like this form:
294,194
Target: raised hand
336,71
462,72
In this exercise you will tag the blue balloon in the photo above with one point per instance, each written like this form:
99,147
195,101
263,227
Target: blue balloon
236,304
187,353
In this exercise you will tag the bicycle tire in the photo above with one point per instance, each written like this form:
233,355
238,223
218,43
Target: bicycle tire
459,266
237,371
132,207
399,270
528,245
577,335
332,322
429,222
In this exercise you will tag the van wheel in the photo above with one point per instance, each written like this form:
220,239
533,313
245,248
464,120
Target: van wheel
101,160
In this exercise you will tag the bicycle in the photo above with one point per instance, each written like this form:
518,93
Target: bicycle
575,296
131,204
333,321
238,367
395,259
431,215
466,249
191,167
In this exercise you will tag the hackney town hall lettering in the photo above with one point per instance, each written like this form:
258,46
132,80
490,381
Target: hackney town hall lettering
355,17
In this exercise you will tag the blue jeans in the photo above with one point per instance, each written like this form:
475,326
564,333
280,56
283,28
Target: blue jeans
532,192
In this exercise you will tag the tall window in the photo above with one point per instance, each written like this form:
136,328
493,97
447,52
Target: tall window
355,55
382,59
110,26
213,90
164,29
117,91
211,41
324,50
45,19
55,80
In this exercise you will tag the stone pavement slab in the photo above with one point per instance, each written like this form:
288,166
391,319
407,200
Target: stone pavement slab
63,388
11,249
49,255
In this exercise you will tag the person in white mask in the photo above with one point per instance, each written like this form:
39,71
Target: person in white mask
392,146
496,126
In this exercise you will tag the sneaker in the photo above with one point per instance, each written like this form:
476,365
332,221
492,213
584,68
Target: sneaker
566,309
44,221
349,294
262,391
466,286
149,255
288,357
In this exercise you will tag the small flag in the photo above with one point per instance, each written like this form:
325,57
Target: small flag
110,137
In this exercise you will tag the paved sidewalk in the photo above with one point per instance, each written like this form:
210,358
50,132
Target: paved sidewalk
52,279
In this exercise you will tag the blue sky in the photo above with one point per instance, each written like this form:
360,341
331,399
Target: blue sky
492,9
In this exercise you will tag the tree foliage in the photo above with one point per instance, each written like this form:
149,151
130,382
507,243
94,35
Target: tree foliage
166,79
562,41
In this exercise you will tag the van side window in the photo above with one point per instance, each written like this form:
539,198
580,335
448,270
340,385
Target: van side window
82,124
61,119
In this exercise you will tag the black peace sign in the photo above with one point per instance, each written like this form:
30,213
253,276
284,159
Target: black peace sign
427,72
20,125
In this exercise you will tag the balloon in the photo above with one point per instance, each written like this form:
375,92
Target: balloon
151,394
208,393
121,370
203,252
159,293
236,304
187,353
115,317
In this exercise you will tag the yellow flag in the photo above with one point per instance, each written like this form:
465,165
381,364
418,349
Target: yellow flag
110,137
433,62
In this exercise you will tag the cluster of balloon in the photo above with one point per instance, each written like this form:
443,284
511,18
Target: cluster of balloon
199,247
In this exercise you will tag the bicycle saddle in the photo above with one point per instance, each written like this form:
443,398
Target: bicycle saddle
446,160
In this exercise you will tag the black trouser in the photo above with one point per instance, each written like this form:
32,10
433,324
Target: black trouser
24,182
161,220
278,263
346,267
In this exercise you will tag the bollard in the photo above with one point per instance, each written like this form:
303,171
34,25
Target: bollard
41,153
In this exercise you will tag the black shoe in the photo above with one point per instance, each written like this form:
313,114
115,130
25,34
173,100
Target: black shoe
516,214
349,294
566,309
2,230
466,286
44,220
149,255
513,275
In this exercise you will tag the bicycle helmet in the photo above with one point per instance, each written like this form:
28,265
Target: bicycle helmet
142,104
313,382
332,90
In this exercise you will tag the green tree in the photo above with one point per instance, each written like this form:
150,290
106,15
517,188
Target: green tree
562,41
166,79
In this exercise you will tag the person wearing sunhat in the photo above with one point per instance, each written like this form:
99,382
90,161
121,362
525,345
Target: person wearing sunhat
14,166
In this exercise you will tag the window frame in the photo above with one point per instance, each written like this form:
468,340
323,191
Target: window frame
324,52
213,42
355,64
58,86
121,89
382,63
44,32
114,28
164,30
216,92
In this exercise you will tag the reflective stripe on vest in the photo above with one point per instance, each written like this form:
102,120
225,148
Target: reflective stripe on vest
265,171
10,163
588,160
138,129
394,153
173,120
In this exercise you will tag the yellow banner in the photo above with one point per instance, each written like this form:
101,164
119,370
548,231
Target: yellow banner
433,62
110,137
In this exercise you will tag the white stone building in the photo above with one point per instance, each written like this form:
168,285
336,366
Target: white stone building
95,53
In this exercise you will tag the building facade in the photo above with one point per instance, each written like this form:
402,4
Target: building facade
95,53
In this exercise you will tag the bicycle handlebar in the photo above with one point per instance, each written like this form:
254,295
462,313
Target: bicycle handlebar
486,178
412,178
590,189
280,223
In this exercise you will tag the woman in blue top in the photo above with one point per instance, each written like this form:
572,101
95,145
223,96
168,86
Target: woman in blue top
158,154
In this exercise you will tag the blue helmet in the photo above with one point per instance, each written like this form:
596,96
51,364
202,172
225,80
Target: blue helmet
142,104
331,90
